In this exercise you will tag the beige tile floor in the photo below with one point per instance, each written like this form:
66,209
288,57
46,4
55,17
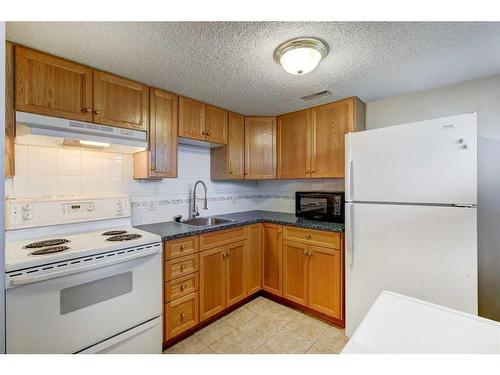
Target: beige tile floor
264,327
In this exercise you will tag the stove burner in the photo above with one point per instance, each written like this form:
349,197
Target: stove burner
114,232
124,237
50,250
54,242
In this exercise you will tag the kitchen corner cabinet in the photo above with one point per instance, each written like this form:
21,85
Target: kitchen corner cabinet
272,259
202,122
160,161
294,145
311,142
260,148
52,86
10,112
120,102
228,162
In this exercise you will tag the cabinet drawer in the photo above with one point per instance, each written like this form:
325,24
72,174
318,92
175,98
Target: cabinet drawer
312,236
178,267
180,287
180,315
181,247
223,237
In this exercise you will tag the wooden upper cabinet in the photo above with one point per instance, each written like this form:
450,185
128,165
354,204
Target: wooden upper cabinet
120,102
296,272
191,119
52,86
160,160
330,123
260,147
228,162
272,259
10,111
215,124
294,145
326,281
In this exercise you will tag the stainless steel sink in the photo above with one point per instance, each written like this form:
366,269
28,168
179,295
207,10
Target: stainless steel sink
206,221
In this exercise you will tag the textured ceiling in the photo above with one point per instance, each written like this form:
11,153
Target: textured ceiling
230,64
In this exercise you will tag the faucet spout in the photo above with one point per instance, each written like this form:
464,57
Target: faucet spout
194,211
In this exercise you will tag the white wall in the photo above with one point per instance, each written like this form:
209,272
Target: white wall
63,171
482,96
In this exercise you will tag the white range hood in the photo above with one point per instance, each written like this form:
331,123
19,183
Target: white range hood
32,129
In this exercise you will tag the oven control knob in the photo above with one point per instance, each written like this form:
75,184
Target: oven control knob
27,215
90,207
28,207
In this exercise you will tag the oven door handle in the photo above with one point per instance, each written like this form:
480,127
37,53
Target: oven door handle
24,280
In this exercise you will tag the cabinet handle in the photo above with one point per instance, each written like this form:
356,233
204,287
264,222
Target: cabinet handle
88,110
305,253
97,111
230,172
183,286
183,316
203,132
308,236
310,253
183,267
182,247
307,171
311,171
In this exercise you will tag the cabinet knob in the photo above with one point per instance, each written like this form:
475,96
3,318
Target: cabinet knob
310,253
183,286
308,236
230,172
88,110
183,316
308,171
97,111
183,267
207,133
182,247
305,253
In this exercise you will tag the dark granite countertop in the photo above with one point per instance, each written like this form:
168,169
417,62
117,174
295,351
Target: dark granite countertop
170,230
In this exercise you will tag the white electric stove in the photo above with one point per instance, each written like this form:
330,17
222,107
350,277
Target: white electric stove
79,278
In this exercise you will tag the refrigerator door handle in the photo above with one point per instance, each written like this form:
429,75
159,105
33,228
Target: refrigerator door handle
350,234
349,168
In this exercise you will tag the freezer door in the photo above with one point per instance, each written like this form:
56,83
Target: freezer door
431,161
425,252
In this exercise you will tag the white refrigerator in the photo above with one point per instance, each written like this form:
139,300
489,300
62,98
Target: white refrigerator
411,220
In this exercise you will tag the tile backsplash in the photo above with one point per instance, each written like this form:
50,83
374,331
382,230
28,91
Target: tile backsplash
65,171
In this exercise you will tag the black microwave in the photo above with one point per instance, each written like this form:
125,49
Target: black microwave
320,205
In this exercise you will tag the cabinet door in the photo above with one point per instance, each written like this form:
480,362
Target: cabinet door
51,86
180,315
330,123
212,282
191,119
272,259
253,260
215,125
235,272
163,133
295,272
326,281
120,102
236,146
294,145
260,147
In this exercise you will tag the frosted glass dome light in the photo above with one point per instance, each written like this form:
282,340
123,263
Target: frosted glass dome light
300,56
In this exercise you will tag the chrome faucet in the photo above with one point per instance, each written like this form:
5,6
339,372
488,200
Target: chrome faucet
193,212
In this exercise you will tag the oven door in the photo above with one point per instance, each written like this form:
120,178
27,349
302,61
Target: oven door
72,312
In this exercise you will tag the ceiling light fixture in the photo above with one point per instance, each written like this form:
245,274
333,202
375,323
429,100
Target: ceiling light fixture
300,56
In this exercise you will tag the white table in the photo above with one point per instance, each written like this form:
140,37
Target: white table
401,324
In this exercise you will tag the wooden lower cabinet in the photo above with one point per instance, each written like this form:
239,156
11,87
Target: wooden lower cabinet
326,281
180,315
253,260
272,259
313,277
295,272
222,278
212,282
235,272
